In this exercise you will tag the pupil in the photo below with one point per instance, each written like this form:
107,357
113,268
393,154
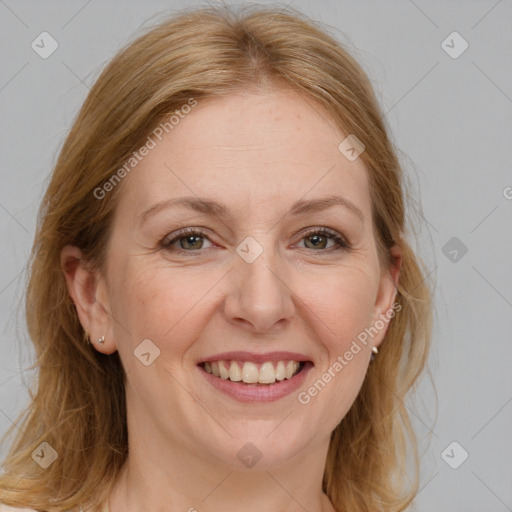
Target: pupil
316,239
190,239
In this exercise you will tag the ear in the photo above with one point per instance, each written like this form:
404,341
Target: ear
385,306
87,289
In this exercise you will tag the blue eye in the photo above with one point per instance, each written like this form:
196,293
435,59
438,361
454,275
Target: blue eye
192,240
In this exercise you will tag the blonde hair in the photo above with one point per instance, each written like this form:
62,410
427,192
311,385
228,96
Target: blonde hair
202,53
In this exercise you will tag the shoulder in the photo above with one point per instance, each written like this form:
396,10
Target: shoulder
5,508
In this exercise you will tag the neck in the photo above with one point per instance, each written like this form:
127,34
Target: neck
161,475
268,491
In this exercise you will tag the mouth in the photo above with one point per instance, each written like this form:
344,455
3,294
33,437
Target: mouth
256,377
247,372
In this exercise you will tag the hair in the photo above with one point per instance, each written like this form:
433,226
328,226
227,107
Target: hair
199,53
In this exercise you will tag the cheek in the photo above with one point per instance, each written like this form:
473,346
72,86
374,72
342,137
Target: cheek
343,302
343,306
163,304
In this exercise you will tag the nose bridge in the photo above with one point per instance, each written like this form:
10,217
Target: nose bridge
259,294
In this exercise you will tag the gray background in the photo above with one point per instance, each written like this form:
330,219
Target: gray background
451,118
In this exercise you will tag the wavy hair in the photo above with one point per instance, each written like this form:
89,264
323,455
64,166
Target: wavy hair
200,53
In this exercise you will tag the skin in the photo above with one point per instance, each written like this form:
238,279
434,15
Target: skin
257,153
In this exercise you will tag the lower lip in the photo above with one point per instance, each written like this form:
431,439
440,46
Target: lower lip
258,393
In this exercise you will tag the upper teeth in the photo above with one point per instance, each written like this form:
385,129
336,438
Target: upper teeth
249,372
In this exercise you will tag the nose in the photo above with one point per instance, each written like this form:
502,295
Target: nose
260,298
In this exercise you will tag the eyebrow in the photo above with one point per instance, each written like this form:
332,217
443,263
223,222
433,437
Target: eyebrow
215,209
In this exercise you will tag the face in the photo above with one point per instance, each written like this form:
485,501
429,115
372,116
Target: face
267,272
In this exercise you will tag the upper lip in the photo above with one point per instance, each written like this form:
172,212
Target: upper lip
255,357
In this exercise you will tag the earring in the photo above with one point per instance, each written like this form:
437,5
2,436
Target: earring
375,351
101,340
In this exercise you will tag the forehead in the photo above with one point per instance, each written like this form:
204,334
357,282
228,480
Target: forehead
249,148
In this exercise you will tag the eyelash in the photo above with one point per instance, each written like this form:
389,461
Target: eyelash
331,235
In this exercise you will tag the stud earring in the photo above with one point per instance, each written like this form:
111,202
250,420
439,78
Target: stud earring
101,340
375,351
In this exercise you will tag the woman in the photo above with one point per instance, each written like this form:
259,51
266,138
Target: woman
219,259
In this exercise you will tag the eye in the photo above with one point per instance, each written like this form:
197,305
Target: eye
189,240
192,240
318,238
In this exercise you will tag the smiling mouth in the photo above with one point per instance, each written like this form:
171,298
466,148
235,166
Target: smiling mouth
246,372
